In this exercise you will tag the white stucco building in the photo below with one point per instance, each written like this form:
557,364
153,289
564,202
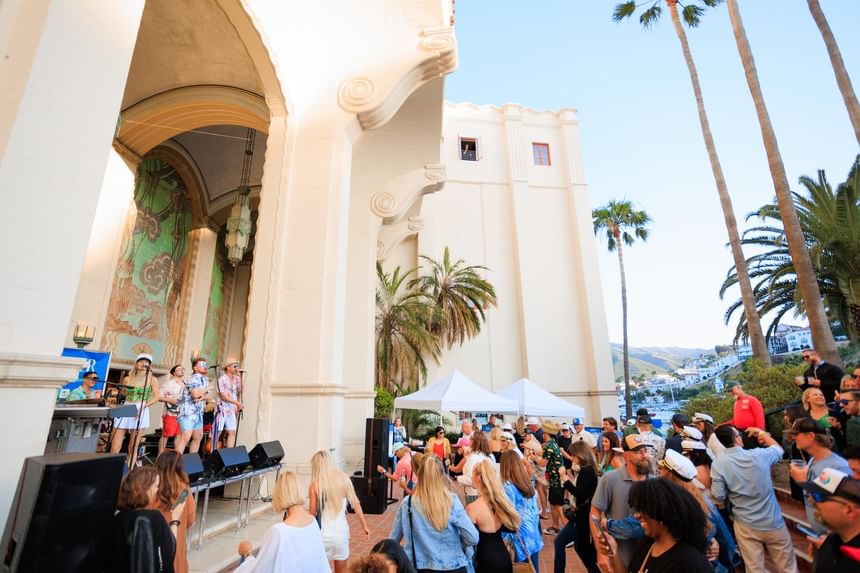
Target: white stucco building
123,128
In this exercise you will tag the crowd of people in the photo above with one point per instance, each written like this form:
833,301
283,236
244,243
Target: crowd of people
698,499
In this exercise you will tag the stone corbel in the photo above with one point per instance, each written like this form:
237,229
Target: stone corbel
393,199
392,235
376,100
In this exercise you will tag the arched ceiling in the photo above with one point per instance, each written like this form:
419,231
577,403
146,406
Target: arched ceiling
186,43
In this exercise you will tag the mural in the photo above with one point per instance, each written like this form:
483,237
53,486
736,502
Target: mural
145,306
215,312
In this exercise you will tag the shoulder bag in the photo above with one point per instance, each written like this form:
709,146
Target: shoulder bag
411,530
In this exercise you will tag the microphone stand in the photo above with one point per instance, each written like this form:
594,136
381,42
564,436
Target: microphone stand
215,434
241,396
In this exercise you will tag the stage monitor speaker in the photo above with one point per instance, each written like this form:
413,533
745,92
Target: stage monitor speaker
372,493
375,445
193,466
60,514
266,454
227,462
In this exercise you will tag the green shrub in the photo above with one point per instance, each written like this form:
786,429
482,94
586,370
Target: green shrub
383,404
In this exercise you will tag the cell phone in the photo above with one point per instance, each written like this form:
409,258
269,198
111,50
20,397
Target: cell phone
807,531
182,497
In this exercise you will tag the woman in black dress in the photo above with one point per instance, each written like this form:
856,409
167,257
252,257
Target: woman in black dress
492,513
577,529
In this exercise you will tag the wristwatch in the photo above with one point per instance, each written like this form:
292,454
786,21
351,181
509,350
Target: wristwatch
175,522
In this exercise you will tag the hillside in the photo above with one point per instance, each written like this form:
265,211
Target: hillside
645,360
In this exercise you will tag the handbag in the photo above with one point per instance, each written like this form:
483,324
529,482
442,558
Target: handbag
520,566
411,530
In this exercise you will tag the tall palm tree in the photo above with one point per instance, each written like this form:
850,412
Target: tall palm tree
619,219
403,338
831,227
822,337
461,296
842,78
692,14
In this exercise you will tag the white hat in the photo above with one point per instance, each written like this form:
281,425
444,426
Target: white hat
533,421
693,445
508,436
144,356
508,427
565,427
691,433
678,465
699,417
631,422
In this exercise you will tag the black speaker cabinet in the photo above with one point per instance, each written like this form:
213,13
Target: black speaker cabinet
266,454
227,462
375,445
372,493
193,466
62,508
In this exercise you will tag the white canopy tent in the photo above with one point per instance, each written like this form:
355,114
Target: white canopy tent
456,393
533,400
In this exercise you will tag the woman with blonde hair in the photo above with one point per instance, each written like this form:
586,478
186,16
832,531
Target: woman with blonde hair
492,513
527,540
329,492
495,443
142,392
432,520
172,491
294,544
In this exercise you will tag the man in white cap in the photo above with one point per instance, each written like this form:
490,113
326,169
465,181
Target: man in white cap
510,444
836,496
534,424
229,390
705,424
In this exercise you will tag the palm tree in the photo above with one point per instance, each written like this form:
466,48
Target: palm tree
831,227
692,15
842,78
461,296
822,337
403,338
619,219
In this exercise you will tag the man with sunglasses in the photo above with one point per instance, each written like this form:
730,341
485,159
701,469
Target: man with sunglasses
85,390
191,404
820,374
836,497
850,403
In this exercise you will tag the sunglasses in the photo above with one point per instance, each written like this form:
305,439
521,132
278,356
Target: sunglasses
93,378
846,401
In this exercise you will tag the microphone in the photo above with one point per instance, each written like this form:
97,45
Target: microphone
243,371
214,366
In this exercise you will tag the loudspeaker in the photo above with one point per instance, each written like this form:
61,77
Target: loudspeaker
227,462
375,445
62,508
193,466
266,454
372,493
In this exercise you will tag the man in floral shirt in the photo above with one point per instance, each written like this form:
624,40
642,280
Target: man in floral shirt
191,404
552,461
229,388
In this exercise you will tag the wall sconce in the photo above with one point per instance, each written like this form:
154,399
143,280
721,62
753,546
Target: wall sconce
83,335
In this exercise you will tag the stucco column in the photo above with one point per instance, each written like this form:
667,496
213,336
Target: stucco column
52,162
598,367
204,240
295,335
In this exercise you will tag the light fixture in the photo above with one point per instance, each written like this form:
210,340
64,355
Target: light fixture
239,222
83,335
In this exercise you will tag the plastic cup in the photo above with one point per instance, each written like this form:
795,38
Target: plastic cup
799,464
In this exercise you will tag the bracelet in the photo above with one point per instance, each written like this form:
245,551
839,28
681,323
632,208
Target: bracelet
175,522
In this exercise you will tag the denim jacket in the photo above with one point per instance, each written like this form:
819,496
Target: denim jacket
529,530
438,550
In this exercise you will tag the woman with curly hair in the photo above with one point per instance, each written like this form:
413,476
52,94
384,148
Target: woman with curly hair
173,490
674,525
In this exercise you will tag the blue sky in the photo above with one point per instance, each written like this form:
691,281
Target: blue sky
641,134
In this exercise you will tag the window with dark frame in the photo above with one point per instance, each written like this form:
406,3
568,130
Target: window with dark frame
468,149
540,152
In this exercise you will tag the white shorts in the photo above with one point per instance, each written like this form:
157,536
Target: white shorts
228,422
130,423
336,542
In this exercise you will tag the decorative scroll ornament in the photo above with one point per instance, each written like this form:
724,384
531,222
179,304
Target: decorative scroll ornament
354,94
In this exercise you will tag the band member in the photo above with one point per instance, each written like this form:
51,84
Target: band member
85,391
229,406
191,404
141,391
170,392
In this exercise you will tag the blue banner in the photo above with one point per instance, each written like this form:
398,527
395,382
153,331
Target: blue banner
98,362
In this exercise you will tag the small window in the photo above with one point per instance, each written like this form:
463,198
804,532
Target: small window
540,151
468,149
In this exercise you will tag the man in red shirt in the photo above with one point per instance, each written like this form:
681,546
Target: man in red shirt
748,413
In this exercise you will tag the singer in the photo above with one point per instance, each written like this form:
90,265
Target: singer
142,392
191,403
229,389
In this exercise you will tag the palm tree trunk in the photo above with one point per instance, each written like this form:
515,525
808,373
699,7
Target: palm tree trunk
842,78
756,336
628,404
822,337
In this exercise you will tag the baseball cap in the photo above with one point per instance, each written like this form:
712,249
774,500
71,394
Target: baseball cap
730,385
691,433
699,417
680,419
678,465
144,356
578,422
631,422
688,445
644,419
633,442
566,427
833,483
804,425
463,442
508,427
508,436
533,421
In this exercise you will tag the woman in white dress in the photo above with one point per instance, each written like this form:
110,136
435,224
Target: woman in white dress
295,544
142,392
329,492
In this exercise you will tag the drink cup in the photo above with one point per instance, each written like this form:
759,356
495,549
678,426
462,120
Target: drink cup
799,464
